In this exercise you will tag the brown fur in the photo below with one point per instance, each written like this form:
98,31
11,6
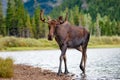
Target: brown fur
69,36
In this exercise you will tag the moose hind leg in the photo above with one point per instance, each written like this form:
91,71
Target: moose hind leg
82,60
84,55
81,64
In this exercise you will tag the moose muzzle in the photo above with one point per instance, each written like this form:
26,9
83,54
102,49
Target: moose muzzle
50,37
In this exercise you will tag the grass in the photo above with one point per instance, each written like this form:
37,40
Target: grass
104,41
6,68
13,43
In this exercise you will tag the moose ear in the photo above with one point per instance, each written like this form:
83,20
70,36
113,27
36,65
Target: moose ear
60,19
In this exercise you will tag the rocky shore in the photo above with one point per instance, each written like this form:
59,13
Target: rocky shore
24,72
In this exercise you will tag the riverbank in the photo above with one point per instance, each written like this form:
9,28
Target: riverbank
14,43
24,72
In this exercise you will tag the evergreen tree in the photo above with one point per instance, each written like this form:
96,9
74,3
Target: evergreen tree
40,27
76,17
37,22
88,22
29,27
10,18
20,17
33,26
97,26
2,24
71,17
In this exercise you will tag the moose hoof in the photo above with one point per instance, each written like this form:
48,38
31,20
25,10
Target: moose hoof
66,72
83,74
59,73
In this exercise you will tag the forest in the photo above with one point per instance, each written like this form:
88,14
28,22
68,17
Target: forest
100,17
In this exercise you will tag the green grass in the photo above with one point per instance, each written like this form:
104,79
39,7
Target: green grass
13,43
104,41
6,68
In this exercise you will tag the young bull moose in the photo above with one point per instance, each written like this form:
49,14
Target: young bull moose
68,36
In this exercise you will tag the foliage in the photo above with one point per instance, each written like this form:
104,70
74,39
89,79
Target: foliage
99,18
2,21
102,26
104,7
6,68
19,22
26,43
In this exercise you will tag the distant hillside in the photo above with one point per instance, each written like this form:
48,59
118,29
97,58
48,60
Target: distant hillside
30,5
109,8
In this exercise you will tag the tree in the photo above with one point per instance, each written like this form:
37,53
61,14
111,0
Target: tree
88,22
2,23
33,26
29,27
37,22
97,26
40,27
20,17
10,18
76,17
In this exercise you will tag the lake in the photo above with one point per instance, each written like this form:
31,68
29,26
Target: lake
102,63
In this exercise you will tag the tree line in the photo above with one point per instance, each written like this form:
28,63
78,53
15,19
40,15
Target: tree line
101,26
19,23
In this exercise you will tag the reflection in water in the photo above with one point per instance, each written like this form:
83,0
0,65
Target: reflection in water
102,64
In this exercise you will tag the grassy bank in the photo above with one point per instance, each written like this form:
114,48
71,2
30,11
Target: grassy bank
6,68
13,43
104,42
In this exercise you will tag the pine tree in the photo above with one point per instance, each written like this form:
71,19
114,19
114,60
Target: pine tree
97,26
2,26
33,26
88,22
71,17
10,18
29,27
76,15
20,17
37,22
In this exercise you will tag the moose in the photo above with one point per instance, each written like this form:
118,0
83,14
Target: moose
67,36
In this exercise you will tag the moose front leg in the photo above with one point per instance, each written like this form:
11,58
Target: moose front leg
65,63
63,50
59,70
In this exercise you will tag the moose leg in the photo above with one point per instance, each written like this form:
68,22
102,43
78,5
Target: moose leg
59,70
84,59
81,63
63,50
66,70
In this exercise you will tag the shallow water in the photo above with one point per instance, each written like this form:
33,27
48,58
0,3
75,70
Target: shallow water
102,64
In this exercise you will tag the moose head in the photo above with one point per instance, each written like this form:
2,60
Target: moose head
52,23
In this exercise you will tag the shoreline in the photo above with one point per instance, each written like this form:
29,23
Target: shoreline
51,48
25,72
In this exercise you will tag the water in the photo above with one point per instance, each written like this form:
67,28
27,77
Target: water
102,64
